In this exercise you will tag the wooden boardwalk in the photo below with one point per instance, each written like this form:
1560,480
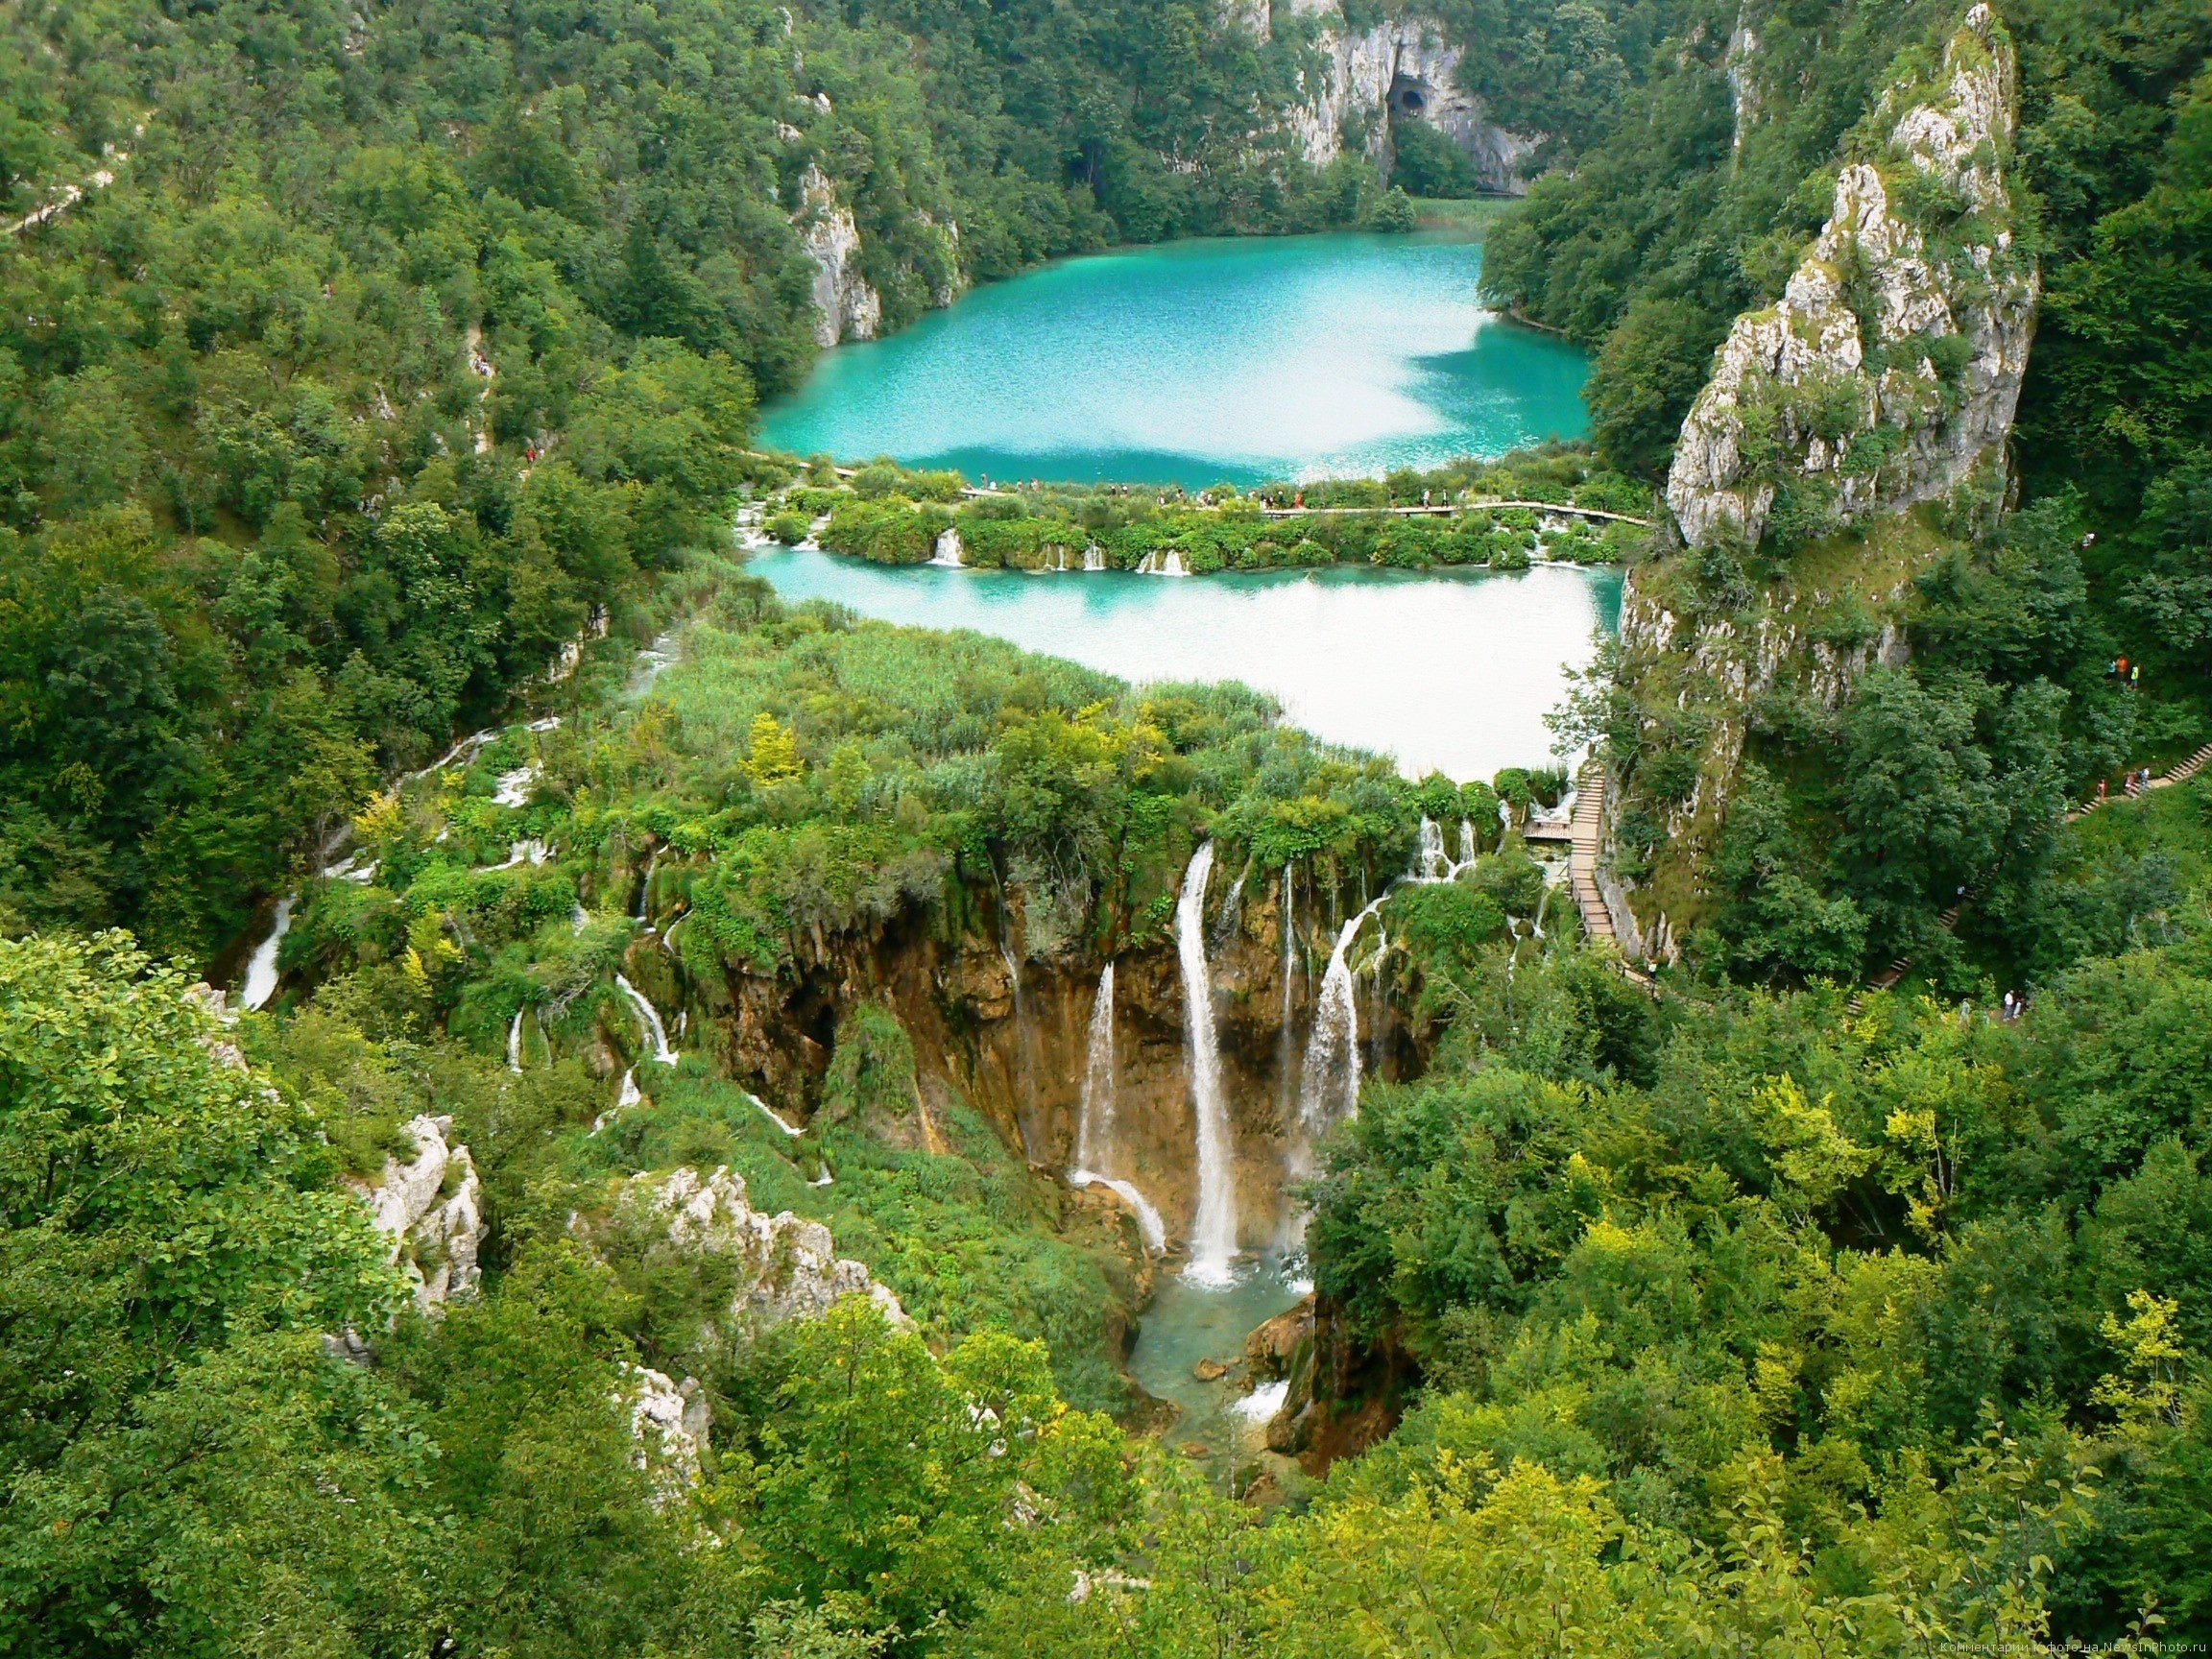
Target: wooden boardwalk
1446,509
1583,836
2180,774
1890,976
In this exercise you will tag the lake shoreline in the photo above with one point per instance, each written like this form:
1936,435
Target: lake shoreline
1199,362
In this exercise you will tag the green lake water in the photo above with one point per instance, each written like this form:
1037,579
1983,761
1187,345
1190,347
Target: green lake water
1200,362
1451,671
1188,1323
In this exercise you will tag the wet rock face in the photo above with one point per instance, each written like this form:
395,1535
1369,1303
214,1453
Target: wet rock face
432,1209
1021,1061
1891,365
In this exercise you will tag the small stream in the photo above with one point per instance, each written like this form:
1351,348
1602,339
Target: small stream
1188,1323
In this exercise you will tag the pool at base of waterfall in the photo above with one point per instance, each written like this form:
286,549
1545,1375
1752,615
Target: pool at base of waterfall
1189,1323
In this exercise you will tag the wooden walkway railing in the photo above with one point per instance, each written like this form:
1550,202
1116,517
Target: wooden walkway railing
1585,832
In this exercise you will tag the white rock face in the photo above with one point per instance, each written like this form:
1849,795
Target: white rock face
432,1212
1402,64
670,1422
1897,434
790,1268
846,306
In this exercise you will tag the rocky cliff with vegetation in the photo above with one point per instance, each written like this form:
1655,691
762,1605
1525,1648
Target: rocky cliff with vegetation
1884,377
1890,368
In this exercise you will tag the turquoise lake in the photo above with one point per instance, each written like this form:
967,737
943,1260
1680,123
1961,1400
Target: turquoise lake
1451,671
1201,362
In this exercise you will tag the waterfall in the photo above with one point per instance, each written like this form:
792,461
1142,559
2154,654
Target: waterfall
514,1044
261,971
1429,862
1095,1131
630,1095
773,1116
578,920
947,554
530,851
1467,847
648,1019
1334,1045
1214,1233
1173,564
645,888
1232,912
1149,1221
1093,558
515,787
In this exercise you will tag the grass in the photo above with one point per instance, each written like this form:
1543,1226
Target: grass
1473,217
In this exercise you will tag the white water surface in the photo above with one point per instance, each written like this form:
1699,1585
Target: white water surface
1446,671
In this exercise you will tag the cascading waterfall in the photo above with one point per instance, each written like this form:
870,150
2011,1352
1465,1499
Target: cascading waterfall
947,553
1429,862
1214,1233
514,1044
648,1019
1232,913
1093,558
1328,1082
645,888
1467,847
1095,1131
1095,1150
261,971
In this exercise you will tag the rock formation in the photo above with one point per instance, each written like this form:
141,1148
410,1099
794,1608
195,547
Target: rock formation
1891,367
670,1422
785,1267
430,1210
1402,68
846,306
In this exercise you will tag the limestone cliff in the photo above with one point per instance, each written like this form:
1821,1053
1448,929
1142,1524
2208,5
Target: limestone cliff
776,1267
1015,1052
431,1209
1890,368
1401,67
670,1422
1883,378
845,307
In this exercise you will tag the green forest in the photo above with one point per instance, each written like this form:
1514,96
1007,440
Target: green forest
616,1226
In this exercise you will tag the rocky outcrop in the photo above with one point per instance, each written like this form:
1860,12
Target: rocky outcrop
782,1266
1402,68
670,1422
431,1209
1891,367
845,307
